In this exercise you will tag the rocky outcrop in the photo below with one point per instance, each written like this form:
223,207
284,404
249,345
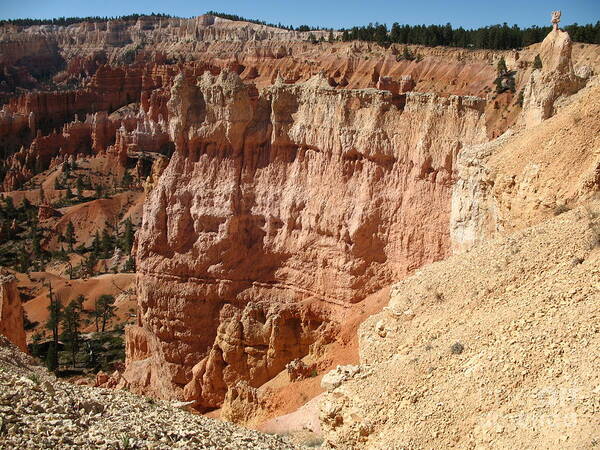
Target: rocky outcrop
525,176
11,312
535,171
254,344
278,210
555,79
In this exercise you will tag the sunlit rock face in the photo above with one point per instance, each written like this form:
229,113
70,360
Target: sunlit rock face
278,210
11,312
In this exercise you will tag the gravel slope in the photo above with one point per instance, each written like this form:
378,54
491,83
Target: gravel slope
39,411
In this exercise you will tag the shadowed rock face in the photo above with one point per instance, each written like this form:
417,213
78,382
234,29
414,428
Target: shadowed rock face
11,312
277,211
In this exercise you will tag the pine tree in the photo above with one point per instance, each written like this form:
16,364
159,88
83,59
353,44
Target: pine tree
95,247
70,235
128,237
127,180
89,263
106,244
330,38
80,186
501,67
537,62
312,39
24,261
104,310
36,246
129,265
68,193
52,324
71,322
9,208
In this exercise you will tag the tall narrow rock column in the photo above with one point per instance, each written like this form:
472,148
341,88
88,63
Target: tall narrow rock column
11,312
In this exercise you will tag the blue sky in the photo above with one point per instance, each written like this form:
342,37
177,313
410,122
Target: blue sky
327,13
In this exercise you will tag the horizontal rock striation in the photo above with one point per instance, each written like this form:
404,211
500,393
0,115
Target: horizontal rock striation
279,209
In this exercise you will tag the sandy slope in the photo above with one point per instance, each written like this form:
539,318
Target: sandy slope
525,309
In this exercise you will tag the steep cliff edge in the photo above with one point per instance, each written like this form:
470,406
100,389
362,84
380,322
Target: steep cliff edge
494,348
11,312
278,209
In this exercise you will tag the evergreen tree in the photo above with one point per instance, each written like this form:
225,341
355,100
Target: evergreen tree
129,265
104,311
9,208
80,186
52,324
312,39
24,261
499,82
330,38
71,322
537,62
66,170
95,247
501,67
68,193
70,235
106,244
52,357
127,180
36,247
89,263
128,237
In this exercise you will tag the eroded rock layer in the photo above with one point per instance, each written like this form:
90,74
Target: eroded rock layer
277,209
11,312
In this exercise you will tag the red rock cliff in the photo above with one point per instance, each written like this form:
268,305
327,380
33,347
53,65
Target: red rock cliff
278,209
11,312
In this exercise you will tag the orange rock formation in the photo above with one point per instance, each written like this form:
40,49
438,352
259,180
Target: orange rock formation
11,312
277,209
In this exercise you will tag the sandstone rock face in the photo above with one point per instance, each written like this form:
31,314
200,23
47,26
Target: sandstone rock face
299,370
556,78
336,377
11,312
279,209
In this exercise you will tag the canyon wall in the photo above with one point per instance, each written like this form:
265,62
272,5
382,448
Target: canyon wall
11,312
279,209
